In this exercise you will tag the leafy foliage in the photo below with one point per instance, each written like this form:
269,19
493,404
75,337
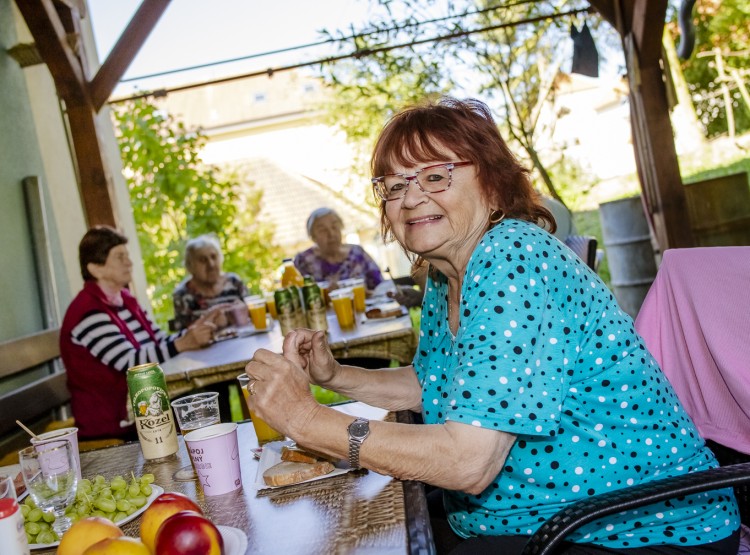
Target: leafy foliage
175,197
512,66
720,27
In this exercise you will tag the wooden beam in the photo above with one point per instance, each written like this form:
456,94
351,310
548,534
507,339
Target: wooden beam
95,179
49,35
648,28
128,45
606,9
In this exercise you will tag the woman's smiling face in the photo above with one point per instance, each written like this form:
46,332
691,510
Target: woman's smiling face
440,226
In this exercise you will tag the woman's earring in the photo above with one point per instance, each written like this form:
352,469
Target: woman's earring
496,216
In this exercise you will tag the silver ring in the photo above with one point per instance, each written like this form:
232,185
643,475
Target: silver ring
251,387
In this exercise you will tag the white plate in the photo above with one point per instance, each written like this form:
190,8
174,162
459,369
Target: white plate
156,491
385,306
235,540
271,455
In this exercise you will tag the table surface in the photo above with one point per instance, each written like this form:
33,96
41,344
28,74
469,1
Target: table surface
387,338
357,512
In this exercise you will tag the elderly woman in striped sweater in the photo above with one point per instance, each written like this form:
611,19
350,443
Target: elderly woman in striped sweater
105,332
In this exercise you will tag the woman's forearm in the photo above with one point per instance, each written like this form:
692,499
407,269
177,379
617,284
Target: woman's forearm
389,388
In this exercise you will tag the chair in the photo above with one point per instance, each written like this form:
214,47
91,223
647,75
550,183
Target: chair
553,532
694,320
585,247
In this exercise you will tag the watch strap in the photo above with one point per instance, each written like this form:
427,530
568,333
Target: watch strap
355,442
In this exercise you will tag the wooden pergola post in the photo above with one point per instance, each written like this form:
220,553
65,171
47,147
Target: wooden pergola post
641,25
50,23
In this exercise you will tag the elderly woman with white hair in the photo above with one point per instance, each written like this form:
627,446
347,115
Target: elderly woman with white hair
206,285
330,259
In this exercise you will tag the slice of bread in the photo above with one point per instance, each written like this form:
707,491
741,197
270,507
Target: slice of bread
302,454
286,472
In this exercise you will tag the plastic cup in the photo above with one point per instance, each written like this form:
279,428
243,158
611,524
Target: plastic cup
69,434
257,309
343,306
358,288
215,453
263,431
324,285
197,411
271,305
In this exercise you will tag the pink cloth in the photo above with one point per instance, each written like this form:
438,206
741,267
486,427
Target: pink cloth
696,322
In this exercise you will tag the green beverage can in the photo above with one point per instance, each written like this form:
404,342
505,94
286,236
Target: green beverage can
315,306
299,312
153,415
285,310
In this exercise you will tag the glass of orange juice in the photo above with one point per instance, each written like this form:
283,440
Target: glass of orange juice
343,305
257,309
358,288
271,305
264,432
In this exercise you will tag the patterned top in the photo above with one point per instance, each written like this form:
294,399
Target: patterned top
189,304
356,265
544,352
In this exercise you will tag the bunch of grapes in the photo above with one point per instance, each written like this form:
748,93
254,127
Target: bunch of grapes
115,499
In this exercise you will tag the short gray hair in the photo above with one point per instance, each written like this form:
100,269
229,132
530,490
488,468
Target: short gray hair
201,242
319,213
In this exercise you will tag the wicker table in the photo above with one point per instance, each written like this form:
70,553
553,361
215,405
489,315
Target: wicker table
360,512
222,361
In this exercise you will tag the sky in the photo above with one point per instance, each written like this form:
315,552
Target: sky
195,32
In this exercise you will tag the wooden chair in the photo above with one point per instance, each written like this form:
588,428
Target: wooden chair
585,247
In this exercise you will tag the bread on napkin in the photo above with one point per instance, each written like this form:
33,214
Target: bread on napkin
288,472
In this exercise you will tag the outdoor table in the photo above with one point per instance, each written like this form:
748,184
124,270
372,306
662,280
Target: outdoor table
357,512
222,361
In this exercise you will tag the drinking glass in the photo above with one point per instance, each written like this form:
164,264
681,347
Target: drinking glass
51,477
264,432
193,412
343,305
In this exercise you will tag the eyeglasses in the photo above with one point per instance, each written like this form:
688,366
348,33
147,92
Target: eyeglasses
434,179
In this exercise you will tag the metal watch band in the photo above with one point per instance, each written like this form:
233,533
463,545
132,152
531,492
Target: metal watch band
358,430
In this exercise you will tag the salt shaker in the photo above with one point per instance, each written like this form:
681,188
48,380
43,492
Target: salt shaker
12,534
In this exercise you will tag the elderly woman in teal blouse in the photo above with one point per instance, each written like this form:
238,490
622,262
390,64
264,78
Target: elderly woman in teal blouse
534,388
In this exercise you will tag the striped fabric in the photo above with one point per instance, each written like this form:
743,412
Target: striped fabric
99,335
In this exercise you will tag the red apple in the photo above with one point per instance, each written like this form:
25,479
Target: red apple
161,509
188,533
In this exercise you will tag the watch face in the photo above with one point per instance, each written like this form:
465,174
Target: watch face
359,428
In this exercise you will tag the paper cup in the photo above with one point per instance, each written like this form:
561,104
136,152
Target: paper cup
69,434
216,457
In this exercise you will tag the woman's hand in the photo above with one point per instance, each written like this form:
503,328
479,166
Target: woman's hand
309,349
197,336
216,315
282,394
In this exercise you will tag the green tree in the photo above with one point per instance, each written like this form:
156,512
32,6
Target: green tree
513,66
175,197
722,36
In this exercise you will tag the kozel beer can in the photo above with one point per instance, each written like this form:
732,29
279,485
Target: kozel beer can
315,306
153,415
299,311
285,310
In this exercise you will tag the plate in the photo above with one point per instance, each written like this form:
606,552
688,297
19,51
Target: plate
271,455
235,540
156,491
392,305
233,332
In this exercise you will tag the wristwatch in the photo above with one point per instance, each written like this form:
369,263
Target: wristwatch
358,432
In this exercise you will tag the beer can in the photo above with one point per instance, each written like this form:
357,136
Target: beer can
285,310
153,414
315,306
299,312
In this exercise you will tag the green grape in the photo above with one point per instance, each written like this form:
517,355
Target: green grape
35,514
46,536
99,479
139,500
119,516
123,505
31,538
134,490
105,504
147,478
132,509
84,485
32,528
97,512
120,494
44,526
29,502
146,489
118,483
48,516
25,510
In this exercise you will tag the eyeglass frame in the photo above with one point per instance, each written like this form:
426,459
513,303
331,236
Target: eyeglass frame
450,166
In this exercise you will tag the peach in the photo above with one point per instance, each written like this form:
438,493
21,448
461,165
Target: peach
87,532
188,533
164,506
118,546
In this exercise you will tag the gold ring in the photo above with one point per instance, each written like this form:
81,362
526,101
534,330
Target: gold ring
251,387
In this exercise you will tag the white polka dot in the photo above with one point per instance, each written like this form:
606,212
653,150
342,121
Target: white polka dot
512,289
575,439
433,378
576,489
598,360
629,481
461,382
610,527
544,265
601,399
579,470
599,427
602,443
527,471
624,405
477,278
513,324
634,420
434,401
532,282
624,388
612,460
507,333
611,337
476,423
488,249
503,380
659,515
649,441
553,340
